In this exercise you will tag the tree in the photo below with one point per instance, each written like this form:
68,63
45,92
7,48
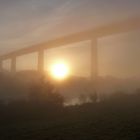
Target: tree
43,92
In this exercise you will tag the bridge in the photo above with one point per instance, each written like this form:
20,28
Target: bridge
93,35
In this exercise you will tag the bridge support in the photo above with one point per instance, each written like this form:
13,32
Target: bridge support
94,66
41,61
94,60
13,64
1,66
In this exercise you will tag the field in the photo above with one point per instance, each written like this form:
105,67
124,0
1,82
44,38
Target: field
100,121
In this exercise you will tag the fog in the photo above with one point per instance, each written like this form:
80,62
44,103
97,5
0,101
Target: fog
69,69
118,65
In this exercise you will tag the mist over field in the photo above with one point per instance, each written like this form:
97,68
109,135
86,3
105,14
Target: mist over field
69,70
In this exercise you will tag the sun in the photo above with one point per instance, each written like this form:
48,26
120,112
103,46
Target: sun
59,71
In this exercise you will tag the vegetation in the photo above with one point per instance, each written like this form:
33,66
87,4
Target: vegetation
43,117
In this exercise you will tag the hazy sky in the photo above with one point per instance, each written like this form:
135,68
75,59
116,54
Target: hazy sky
27,22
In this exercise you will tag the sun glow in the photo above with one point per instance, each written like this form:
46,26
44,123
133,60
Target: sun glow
59,71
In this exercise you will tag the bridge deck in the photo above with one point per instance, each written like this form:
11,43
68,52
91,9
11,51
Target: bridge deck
113,28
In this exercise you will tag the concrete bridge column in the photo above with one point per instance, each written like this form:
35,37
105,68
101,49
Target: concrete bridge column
41,61
94,66
1,65
13,64
94,59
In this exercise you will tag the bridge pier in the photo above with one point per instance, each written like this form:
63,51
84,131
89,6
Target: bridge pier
94,59
1,66
13,64
94,66
40,66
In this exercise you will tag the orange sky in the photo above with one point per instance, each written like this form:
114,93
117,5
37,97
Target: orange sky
117,56
27,22
24,23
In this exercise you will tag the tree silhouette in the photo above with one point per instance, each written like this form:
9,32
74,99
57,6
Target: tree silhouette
44,92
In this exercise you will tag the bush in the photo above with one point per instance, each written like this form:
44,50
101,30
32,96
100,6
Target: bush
43,92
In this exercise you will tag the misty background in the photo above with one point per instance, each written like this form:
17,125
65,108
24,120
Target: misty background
26,23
